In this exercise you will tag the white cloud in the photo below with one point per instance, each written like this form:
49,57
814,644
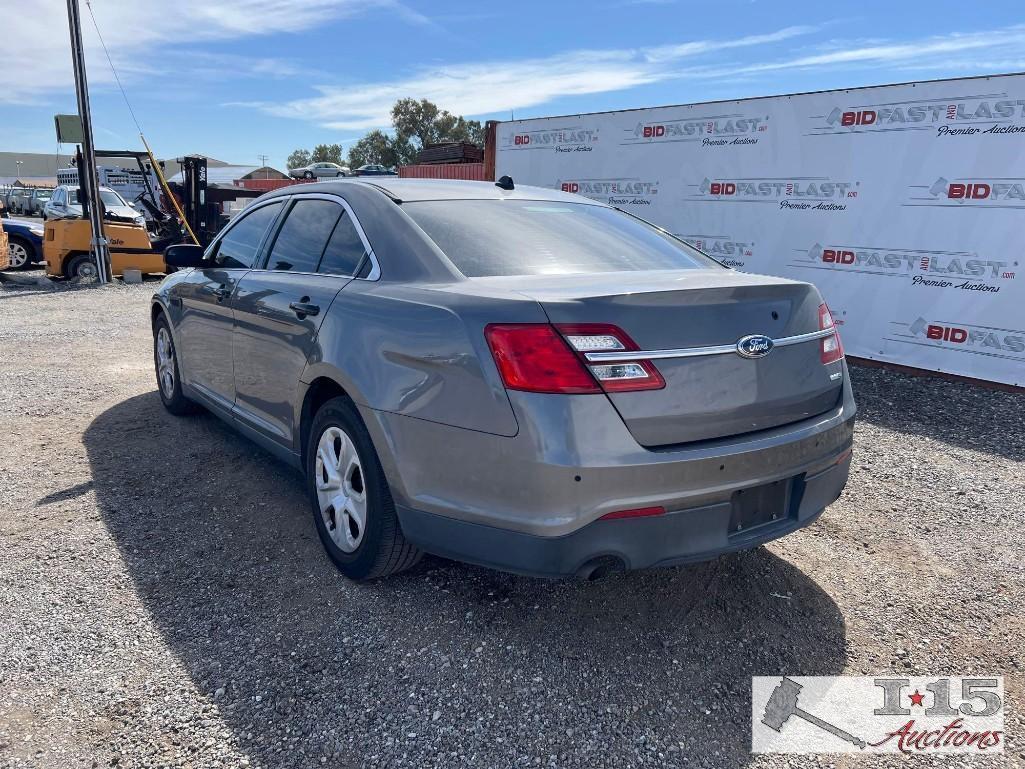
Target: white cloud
926,52
496,86
142,35
490,87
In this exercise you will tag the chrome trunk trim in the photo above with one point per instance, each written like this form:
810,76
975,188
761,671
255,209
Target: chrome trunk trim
694,352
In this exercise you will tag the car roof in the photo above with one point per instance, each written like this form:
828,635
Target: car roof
409,190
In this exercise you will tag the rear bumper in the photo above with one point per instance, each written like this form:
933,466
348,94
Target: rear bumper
531,503
680,536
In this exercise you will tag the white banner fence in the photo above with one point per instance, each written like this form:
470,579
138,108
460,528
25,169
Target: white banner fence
904,204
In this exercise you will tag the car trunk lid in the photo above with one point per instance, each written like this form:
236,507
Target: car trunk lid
706,396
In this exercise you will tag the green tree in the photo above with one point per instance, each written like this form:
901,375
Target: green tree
327,153
419,123
415,124
375,147
298,159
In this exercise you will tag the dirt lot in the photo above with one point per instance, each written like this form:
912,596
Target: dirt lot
164,600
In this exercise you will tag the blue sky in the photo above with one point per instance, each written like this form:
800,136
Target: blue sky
235,79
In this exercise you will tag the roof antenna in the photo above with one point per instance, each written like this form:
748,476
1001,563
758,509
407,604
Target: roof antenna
506,183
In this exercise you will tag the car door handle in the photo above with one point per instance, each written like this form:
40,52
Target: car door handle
302,309
222,293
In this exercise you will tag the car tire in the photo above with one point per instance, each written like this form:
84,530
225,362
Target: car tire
343,470
339,174
165,364
81,267
308,175
20,253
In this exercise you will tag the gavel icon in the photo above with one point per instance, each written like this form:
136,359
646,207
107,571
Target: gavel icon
783,703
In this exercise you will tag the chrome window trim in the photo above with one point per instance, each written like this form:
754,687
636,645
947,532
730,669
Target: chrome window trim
694,352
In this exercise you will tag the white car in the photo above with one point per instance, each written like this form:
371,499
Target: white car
64,204
319,171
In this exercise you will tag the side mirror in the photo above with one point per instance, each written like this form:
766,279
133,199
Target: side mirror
184,255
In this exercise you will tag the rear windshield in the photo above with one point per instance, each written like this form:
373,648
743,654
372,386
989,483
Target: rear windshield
486,238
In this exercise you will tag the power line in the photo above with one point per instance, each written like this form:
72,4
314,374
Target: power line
89,5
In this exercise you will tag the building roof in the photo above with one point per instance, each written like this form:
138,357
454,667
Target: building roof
225,176
27,164
28,181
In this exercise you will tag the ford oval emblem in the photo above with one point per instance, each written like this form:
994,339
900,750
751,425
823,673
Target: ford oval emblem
754,346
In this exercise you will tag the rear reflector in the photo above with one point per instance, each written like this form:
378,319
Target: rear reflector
533,357
640,512
832,347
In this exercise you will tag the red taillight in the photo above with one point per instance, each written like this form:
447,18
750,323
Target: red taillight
832,347
536,357
640,512
533,357
618,376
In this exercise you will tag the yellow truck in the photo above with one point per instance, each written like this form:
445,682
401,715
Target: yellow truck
66,244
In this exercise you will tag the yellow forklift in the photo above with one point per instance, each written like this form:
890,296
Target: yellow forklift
66,248
66,242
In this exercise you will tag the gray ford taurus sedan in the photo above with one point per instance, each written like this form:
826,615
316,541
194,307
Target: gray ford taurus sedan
519,378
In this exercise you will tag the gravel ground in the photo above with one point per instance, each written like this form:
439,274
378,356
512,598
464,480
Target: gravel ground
164,600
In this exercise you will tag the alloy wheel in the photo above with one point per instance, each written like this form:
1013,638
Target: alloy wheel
165,362
341,491
18,254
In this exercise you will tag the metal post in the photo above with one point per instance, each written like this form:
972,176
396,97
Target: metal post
87,176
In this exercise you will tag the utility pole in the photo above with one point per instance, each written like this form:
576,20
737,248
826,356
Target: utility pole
87,176
263,164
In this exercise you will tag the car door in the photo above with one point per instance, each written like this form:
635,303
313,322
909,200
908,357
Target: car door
279,309
204,300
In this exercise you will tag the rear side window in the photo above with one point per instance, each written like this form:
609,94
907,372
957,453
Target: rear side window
525,237
303,236
344,251
238,248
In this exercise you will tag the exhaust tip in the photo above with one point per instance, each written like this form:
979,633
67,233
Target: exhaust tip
601,567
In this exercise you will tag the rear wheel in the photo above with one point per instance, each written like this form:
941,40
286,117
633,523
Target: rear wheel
20,252
352,505
165,360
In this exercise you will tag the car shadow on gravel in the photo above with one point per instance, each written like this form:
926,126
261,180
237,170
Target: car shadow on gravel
444,665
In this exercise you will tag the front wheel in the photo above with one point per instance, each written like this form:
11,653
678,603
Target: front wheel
308,175
82,267
165,360
352,505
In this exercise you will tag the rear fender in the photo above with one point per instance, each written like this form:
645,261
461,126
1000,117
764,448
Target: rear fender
419,352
